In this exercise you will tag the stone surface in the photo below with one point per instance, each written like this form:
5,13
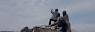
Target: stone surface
42,28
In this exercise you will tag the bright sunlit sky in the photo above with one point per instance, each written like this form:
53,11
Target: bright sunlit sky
16,14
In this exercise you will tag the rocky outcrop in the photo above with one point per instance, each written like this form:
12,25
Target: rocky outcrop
26,29
41,29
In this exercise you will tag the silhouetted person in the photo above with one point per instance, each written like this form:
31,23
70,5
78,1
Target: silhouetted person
65,15
63,22
55,15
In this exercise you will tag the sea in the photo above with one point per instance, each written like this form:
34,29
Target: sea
9,31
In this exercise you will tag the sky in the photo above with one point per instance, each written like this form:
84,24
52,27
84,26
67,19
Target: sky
17,14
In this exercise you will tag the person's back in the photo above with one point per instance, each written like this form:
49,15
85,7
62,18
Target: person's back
62,23
65,15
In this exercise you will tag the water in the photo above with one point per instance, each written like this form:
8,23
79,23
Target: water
9,31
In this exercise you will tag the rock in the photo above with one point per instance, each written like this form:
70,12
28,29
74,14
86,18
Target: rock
25,29
41,29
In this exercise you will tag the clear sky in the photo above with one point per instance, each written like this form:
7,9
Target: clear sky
16,14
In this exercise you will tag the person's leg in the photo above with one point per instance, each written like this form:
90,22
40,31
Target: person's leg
50,21
55,20
55,25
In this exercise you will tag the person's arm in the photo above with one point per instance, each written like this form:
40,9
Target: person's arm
67,20
51,11
67,17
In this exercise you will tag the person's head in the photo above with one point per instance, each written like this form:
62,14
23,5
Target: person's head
64,13
56,9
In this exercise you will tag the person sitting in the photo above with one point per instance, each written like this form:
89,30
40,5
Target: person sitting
65,15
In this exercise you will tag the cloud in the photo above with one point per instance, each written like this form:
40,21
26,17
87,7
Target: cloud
79,6
21,14
83,27
5,18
